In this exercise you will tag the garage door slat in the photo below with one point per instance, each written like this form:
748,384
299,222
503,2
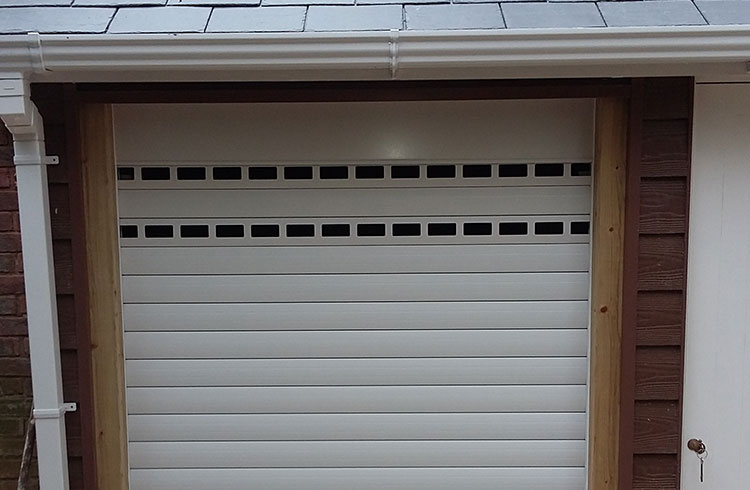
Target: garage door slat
356,287
361,479
357,399
353,372
362,259
353,427
362,454
283,203
356,316
356,344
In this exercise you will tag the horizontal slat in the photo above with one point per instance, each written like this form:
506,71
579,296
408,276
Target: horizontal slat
364,259
360,316
353,427
280,203
356,344
357,454
361,479
346,372
356,287
357,399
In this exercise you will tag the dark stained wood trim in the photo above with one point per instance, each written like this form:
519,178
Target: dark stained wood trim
632,204
655,282
80,286
352,91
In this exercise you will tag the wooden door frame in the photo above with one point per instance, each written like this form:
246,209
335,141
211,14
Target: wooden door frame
96,139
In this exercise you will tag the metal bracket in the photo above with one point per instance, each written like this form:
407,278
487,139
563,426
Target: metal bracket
46,160
55,413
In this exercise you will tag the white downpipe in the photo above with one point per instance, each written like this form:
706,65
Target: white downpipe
25,124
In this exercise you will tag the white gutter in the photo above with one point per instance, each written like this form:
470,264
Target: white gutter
376,55
25,124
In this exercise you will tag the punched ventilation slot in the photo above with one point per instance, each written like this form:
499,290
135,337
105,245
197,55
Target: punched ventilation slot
191,173
299,231
264,231
548,228
227,173
262,173
230,231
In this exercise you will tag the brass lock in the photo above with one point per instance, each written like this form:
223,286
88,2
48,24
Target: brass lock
697,446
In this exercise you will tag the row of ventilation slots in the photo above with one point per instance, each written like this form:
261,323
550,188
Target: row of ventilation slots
362,230
341,172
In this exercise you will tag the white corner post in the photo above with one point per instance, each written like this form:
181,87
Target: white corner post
22,118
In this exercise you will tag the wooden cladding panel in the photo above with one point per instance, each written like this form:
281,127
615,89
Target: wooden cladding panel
657,425
663,206
657,261
658,373
661,262
665,147
660,319
655,472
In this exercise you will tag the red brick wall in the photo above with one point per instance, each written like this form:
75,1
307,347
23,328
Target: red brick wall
15,376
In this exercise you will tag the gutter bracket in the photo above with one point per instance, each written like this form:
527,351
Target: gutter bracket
54,413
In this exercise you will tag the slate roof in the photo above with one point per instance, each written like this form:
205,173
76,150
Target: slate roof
232,16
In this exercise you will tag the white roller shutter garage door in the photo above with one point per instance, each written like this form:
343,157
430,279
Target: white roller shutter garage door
356,295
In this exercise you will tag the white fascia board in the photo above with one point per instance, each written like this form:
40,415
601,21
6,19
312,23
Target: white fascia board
378,55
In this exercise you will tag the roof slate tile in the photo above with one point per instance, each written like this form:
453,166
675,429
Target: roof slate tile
277,19
159,19
725,12
266,3
651,13
522,15
34,3
118,3
403,2
213,3
467,16
365,18
21,20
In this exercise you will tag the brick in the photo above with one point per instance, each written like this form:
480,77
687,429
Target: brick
8,262
12,386
10,242
160,19
279,19
15,366
366,18
11,284
55,20
7,221
15,407
11,427
651,13
11,446
4,136
529,15
725,12
475,16
7,177
8,201
13,326
8,305
10,347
